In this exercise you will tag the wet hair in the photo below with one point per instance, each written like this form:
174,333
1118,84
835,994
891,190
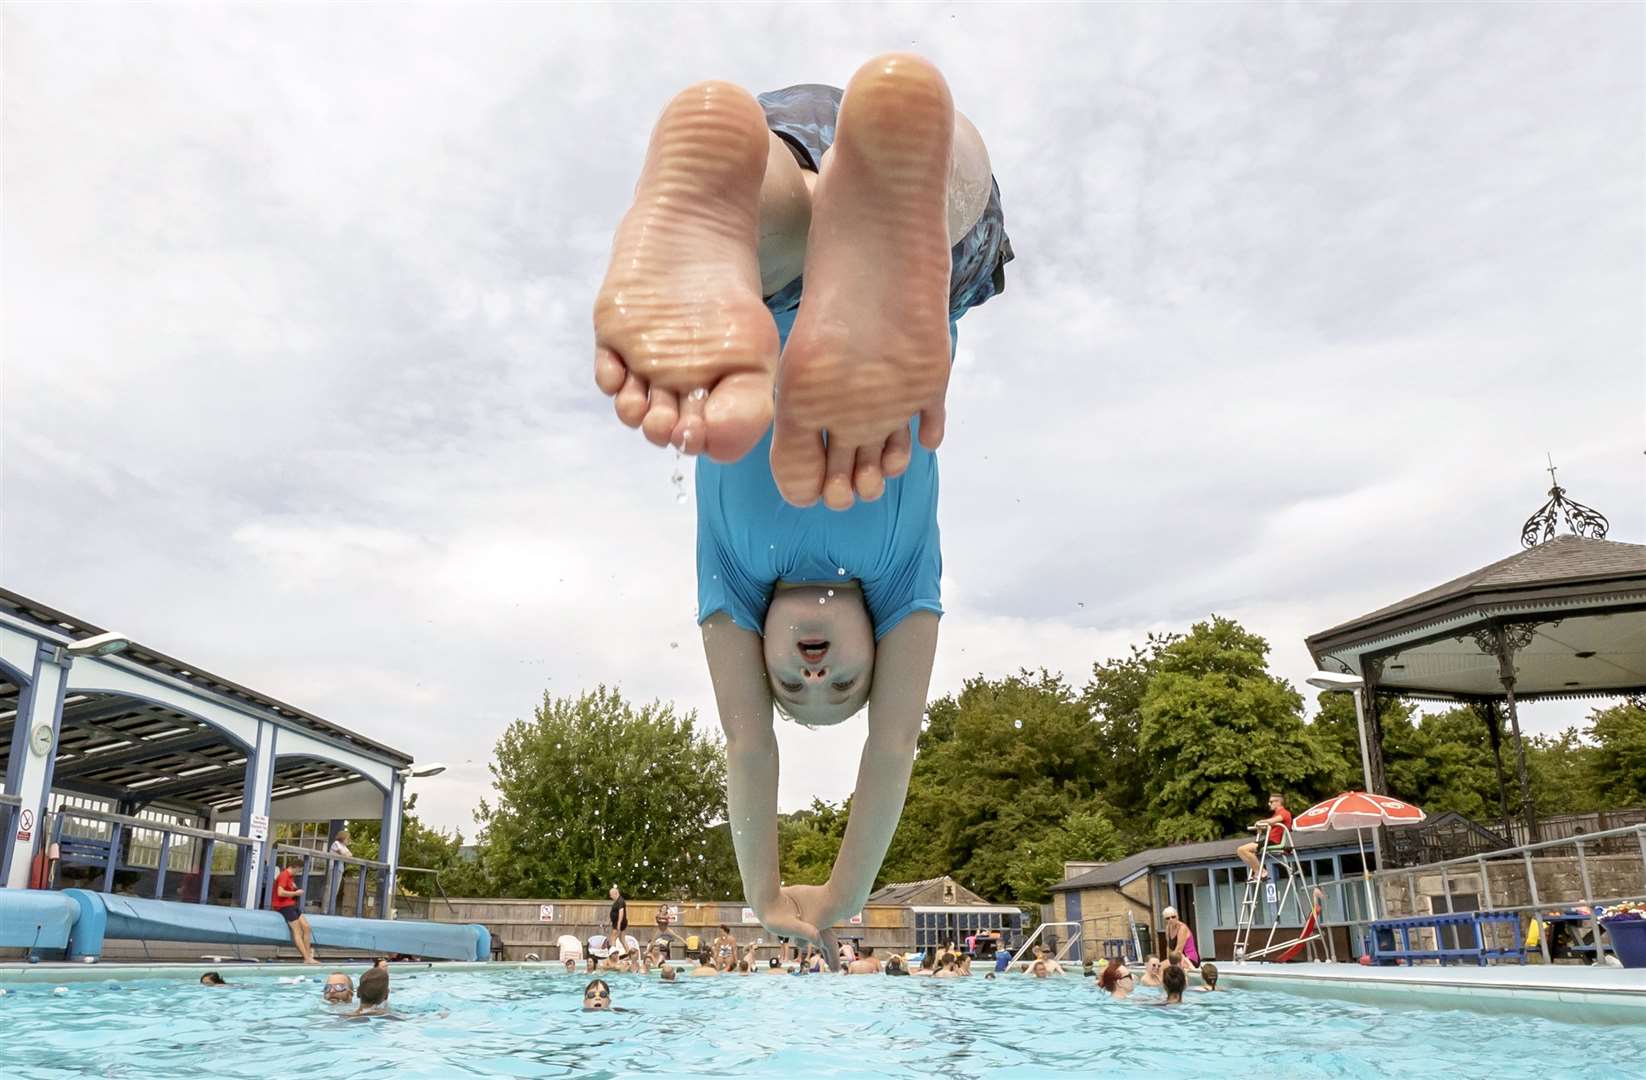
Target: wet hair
1111,974
212,978
742,966
1208,973
774,962
724,929
865,951
374,986
1173,980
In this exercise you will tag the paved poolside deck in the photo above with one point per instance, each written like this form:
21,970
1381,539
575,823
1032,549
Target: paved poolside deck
1561,991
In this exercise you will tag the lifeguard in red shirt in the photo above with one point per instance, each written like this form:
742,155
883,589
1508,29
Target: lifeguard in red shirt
286,901
1279,822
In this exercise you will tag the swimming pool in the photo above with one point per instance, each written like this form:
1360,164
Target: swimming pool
526,1023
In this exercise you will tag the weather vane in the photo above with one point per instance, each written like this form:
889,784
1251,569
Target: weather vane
1582,520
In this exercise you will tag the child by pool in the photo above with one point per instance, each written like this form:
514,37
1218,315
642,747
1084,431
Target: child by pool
847,232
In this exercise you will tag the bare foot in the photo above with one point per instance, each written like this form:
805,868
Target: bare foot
683,343
870,345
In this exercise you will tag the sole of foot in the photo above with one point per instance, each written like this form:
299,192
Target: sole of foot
870,345
684,345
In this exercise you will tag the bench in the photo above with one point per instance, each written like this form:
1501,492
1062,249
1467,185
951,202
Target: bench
1468,938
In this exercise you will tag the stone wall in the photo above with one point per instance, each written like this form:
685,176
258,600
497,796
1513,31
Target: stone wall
1559,882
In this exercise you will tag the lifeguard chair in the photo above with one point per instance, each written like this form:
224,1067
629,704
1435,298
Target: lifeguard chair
1298,895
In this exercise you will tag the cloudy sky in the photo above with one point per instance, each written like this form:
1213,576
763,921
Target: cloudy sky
297,342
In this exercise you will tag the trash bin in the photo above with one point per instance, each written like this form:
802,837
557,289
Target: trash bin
1628,939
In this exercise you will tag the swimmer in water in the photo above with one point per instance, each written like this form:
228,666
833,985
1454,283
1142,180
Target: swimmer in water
846,231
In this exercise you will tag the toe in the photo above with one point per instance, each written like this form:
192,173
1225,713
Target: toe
866,476
797,461
661,416
609,371
837,475
737,413
931,426
691,429
898,451
630,402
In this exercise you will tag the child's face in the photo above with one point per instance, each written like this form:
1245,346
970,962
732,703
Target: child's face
819,648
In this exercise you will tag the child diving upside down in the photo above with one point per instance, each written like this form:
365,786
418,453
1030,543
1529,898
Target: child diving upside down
845,233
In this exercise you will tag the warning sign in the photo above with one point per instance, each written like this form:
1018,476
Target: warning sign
545,913
856,920
259,827
25,825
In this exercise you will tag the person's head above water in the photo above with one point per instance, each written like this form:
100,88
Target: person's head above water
212,978
337,987
597,995
819,647
373,989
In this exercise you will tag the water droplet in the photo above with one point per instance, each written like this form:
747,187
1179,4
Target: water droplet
1080,603
674,644
831,592
1015,724
841,571
680,497
822,600
699,394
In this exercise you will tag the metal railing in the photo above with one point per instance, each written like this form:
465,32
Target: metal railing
1509,880
111,835
1028,942
401,892
335,869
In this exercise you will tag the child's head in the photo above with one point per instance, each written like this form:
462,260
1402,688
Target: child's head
819,646
374,987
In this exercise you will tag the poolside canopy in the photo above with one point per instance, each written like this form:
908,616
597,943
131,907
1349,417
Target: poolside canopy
1565,618
130,732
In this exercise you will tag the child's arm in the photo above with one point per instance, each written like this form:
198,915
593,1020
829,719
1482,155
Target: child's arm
737,668
897,703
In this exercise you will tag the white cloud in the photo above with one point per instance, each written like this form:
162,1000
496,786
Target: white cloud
297,302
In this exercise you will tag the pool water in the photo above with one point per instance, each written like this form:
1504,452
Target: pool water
528,1023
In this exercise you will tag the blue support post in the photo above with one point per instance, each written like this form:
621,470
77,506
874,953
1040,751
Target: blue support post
205,873
165,857
117,833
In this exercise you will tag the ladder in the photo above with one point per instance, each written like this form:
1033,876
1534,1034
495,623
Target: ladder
1297,893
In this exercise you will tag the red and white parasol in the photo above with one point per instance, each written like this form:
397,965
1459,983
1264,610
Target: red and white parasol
1358,810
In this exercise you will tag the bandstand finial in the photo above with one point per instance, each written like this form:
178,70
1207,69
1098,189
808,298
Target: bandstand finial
1582,520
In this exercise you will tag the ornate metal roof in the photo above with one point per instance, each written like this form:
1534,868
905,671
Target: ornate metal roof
1580,520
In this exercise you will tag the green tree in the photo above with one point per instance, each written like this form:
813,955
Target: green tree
592,791
1114,697
1002,761
1219,733
423,847
1562,773
1037,864
809,840
1618,766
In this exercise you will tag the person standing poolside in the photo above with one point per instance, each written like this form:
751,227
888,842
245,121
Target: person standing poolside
848,232
1279,823
619,918
335,870
1002,959
1173,980
286,901
1208,977
1180,939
